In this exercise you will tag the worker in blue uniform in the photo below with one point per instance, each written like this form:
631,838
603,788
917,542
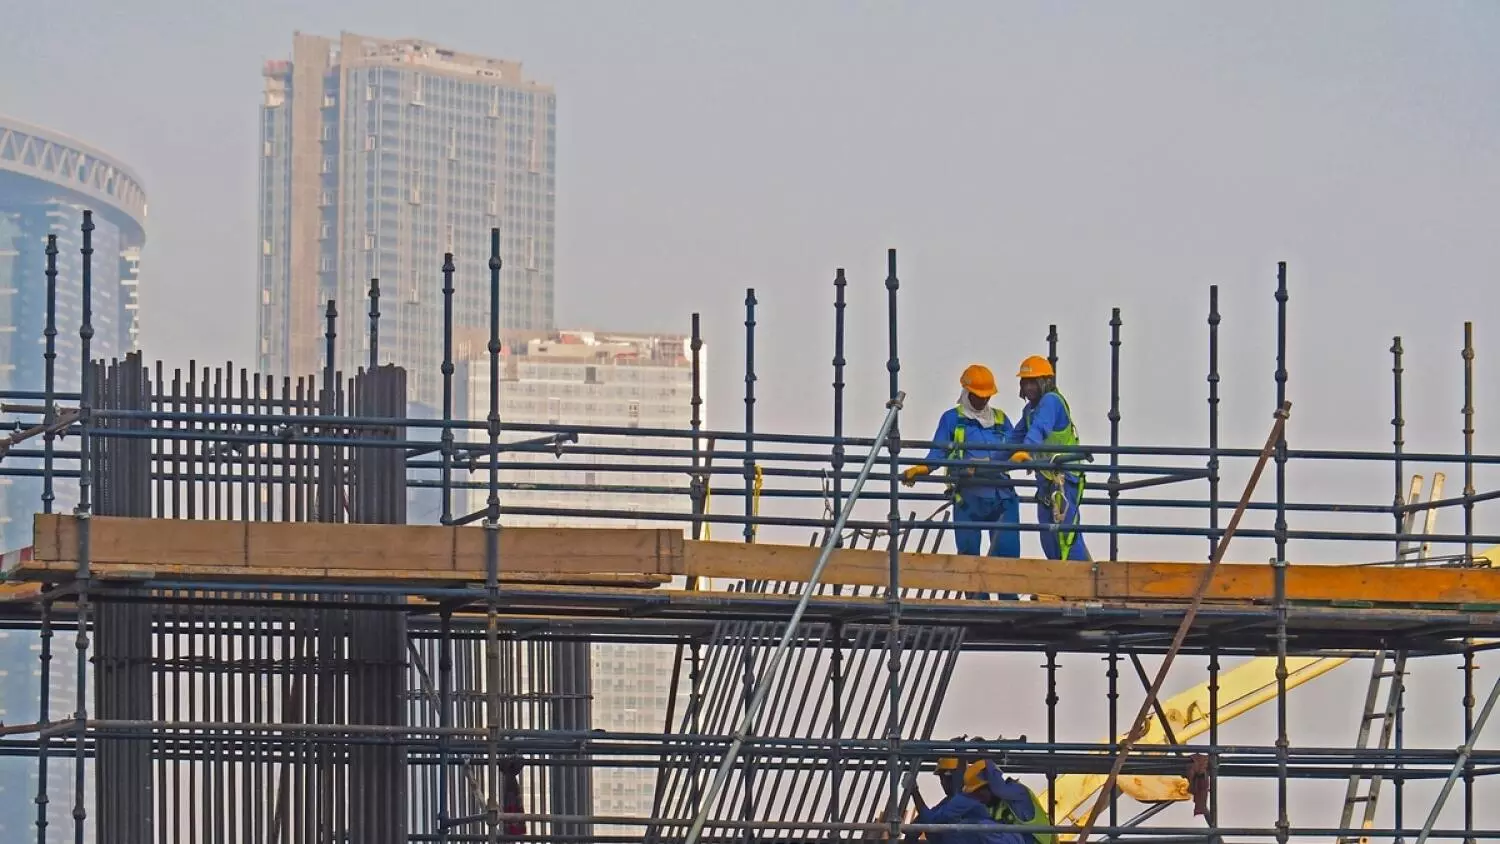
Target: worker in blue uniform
1010,803
977,794
982,493
956,807
1047,421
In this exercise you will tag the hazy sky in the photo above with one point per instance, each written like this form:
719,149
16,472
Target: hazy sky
1035,163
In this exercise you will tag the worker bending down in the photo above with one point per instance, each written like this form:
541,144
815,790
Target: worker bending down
981,492
1046,420
977,793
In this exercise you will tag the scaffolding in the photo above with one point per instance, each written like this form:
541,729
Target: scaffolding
277,656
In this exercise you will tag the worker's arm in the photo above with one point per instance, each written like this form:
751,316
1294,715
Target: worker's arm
1049,416
947,423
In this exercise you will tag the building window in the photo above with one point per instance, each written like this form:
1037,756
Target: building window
554,410
369,143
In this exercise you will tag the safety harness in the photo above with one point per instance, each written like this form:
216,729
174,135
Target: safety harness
1052,493
1005,815
968,475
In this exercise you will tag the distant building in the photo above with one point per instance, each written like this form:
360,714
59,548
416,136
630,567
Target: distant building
610,380
47,181
377,157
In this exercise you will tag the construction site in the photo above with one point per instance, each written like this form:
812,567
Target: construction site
262,647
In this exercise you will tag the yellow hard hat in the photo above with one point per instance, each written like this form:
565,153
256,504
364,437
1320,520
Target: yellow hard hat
974,777
978,380
1035,366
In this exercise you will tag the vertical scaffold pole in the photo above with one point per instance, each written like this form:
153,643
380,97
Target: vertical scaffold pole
49,399
1468,668
1052,346
747,799
1398,444
44,716
836,669
49,381
84,513
1214,319
1052,732
1213,738
1112,677
445,718
750,497
447,372
374,324
893,588
695,674
1114,434
328,501
1213,418
1279,565
495,796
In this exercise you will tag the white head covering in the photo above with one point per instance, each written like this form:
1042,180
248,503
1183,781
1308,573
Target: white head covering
985,418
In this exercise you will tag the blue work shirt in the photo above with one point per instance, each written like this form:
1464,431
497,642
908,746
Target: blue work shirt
980,445
961,808
1038,421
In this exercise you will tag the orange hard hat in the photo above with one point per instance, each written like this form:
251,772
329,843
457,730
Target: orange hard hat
978,380
1035,366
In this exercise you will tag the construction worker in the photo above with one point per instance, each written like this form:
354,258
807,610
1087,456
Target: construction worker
956,807
1009,801
981,493
1047,421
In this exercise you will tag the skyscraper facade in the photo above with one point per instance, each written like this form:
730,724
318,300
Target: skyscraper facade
377,157
609,380
47,181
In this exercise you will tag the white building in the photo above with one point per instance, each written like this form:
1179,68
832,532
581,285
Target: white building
610,380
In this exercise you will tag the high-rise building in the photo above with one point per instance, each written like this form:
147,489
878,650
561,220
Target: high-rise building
379,156
608,380
47,181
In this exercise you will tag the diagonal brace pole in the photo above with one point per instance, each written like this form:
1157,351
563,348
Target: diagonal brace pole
758,700
1139,728
1458,764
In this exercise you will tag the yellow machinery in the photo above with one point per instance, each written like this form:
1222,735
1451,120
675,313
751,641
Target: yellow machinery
1240,690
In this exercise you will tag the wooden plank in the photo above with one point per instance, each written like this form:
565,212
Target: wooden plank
272,547
280,545
50,569
1097,581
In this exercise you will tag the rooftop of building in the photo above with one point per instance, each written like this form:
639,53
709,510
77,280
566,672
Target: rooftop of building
361,50
585,346
53,158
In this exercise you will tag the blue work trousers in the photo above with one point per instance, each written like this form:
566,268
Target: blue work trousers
1057,509
984,505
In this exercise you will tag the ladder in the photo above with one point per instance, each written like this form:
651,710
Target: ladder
1383,695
